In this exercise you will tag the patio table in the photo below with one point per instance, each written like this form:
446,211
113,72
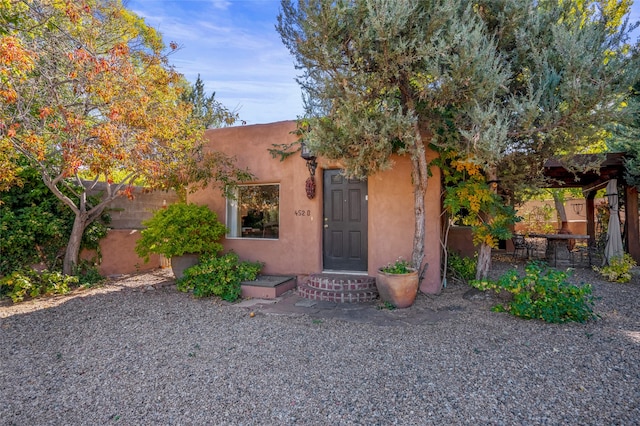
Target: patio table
557,252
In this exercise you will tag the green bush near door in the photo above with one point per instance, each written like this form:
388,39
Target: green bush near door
219,276
181,229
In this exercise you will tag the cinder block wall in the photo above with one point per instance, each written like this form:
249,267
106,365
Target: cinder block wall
129,213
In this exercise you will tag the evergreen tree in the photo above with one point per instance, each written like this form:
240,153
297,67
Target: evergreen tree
207,109
500,84
626,138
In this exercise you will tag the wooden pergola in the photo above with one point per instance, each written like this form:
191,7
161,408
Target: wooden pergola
612,167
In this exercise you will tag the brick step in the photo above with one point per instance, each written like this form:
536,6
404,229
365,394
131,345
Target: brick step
343,282
339,288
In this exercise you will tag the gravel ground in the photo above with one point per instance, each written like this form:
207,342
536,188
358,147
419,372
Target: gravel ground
137,352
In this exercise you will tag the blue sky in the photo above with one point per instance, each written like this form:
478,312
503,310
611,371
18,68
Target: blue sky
235,48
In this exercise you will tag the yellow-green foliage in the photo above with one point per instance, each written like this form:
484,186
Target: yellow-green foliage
462,267
618,269
471,200
400,266
542,293
29,283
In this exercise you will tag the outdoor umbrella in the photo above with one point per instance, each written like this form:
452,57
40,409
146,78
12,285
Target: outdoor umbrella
614,238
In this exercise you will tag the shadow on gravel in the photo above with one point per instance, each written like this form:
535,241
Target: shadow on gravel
149,281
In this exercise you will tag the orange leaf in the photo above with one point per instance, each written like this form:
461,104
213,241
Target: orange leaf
13,130
45,112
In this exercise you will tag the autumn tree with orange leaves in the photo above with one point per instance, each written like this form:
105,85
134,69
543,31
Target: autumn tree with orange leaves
87,95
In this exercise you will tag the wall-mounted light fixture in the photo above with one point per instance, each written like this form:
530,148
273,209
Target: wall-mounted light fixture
312,164
577,208
309,157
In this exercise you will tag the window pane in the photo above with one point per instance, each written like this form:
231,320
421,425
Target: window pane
255,213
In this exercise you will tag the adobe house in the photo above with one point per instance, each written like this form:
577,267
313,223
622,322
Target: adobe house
350,226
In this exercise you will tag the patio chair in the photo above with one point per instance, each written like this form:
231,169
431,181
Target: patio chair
521,245
580,256
595,252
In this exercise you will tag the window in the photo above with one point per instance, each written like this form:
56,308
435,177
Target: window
255,212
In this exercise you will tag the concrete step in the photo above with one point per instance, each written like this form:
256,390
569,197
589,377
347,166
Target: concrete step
267,286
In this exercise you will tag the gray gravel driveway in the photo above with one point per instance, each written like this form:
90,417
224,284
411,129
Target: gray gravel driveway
137,352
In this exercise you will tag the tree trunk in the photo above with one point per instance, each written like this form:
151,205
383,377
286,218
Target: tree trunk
83,217
417,256
484,251
484,261
73,247
419,175
558,201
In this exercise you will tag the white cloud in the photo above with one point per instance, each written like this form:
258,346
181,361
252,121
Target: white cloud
221,4
233,45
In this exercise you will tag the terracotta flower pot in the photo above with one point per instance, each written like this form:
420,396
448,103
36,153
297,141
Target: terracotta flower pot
564,229
398,289
180,263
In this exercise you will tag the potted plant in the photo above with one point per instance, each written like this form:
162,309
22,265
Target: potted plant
398,283
181,232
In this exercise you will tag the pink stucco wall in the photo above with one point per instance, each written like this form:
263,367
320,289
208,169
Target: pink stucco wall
298,250
460,241
119,256
392,220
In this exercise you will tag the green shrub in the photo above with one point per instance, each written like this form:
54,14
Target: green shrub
181,228
219,276
618,269
399,267
88,274
542,294
463,268
30,283
35,225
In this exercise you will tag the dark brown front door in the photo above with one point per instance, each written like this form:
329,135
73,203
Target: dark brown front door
345,223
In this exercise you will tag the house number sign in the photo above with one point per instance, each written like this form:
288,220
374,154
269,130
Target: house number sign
302,212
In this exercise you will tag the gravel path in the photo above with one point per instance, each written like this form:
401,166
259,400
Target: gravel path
137,352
